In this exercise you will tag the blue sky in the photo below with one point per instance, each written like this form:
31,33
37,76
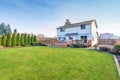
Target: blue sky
44,16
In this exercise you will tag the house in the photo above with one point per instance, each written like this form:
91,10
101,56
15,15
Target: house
108,40
85,31
108,36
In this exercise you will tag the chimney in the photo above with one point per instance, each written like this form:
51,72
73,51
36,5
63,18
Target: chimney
67,23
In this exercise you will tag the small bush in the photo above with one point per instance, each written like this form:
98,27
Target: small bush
95,46
34,44
23,45
117,47
41,44
104,48
77,46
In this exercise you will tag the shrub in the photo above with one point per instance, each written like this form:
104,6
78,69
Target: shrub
104,48
95,46
34,44
117,47
41,44
77,46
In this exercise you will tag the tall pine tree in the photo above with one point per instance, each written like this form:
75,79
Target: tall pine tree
4,40
0,41
14,39
8,41
22,39
34,38
29,39
18,39
25,39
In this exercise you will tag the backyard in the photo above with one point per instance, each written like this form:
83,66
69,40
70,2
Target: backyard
49,63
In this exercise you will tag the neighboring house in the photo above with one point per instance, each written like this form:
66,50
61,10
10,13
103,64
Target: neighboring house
85,31
108,36
108,40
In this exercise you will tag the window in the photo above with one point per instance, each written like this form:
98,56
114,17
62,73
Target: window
61,38
70,38
83,26
62,30
84,38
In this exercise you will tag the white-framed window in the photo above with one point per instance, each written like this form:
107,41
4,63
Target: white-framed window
82,27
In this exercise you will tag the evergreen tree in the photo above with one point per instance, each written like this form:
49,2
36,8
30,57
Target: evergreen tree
0,41
4,40
29,40
15,30
8,41
22,39
18,39
34,38
25,39
4,29
14,39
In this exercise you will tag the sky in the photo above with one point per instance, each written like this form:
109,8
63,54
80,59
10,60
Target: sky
44,16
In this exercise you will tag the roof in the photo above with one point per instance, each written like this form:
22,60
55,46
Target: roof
78,24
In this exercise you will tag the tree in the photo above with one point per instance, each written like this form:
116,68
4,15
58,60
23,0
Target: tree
29,39
15,30
0,41
34,38
25,39
4,40
14,39
18,39
4,29
22,39
8,41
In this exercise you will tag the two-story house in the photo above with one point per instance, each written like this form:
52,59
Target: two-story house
85,31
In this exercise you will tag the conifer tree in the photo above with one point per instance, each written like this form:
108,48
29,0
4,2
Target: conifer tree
14,39
18,39
22,39
4,40
25,39
0,41
34,38
8,41
29,39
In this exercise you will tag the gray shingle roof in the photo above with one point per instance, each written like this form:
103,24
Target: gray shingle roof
78,24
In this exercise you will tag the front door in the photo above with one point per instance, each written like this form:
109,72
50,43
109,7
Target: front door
84,38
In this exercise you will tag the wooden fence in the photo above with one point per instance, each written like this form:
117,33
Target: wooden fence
109,41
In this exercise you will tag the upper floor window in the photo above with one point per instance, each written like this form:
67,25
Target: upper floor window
83,26
62,30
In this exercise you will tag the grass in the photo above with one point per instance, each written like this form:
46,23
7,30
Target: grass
47,63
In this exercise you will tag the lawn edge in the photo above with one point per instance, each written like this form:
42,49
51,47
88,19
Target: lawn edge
117,65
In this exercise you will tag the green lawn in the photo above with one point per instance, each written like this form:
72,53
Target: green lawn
48,63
